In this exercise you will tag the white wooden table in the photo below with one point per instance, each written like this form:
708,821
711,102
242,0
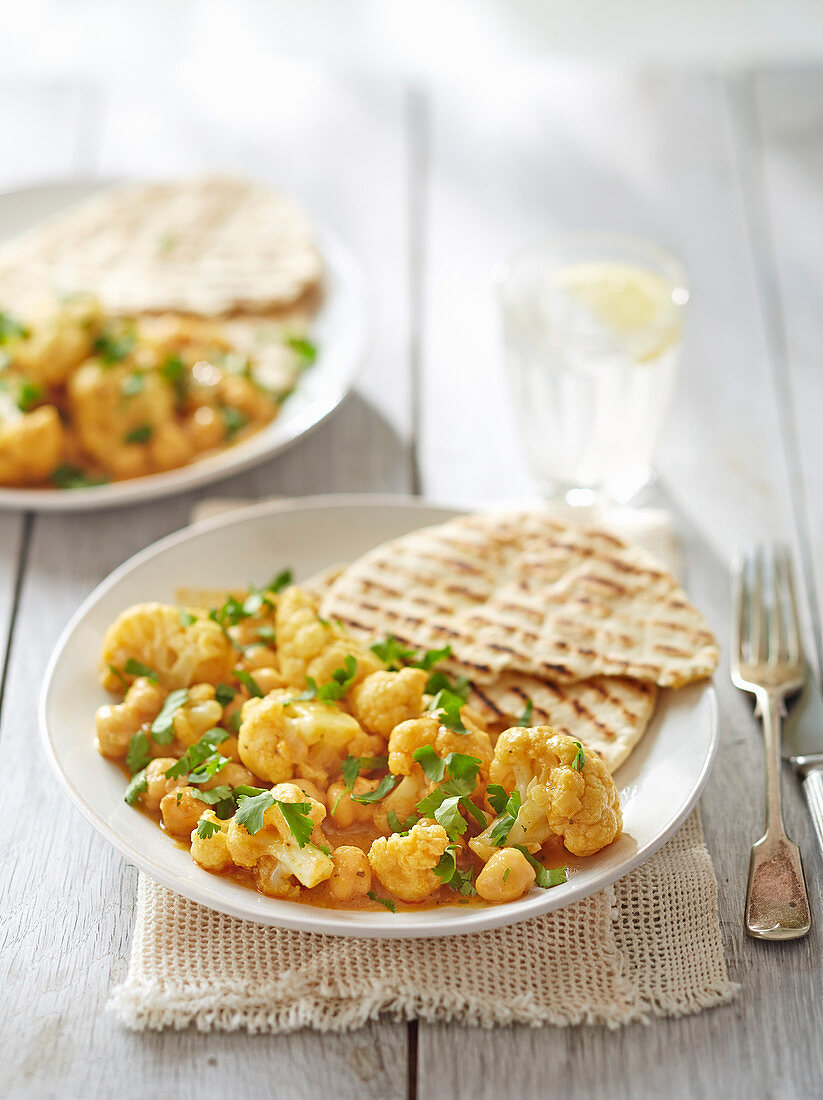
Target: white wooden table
431,187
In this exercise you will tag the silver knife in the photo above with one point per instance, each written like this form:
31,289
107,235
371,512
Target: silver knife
803,746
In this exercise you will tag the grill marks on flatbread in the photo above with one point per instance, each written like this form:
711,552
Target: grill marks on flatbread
211,246
607,714
532,593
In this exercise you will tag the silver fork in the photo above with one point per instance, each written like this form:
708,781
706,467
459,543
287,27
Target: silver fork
767,660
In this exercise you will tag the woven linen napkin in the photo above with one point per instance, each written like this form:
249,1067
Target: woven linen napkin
648,946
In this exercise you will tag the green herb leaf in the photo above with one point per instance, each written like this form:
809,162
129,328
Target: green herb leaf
502,826
138,753
341,680
498,797
138,785
398,826
112,347
450,874
206,829
525,718
433,767
162,728
250,811
134,667
139,435
120,676
233,420
11,329
281,581
463,771
248,682
173,370
386,784
431,657
389,904
196,755
28,395
306,350
134,384
544,877
579,761
448,815
440,681
72,477
392,653
448,704
235,720
224,693
506,873
186,617
351,770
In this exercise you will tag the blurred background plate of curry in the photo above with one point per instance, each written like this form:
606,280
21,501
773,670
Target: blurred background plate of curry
658,785
328,340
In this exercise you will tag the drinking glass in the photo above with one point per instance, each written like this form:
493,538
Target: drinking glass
592,331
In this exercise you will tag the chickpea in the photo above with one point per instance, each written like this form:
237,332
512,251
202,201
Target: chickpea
157,785
201,712
116,723
351,876
506,876
343,809
181,811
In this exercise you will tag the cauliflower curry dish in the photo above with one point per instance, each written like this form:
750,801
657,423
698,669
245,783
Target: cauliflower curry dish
88,397
311,765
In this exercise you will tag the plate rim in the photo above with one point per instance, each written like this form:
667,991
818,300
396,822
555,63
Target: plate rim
316,919
232,460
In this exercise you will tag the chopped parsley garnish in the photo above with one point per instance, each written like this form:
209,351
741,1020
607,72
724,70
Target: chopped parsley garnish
228,614
283,579
162,728
306,350
174,372
224,693
431,657
502,825
251,808
544,877
206,829
386,784
398,826
138,753
222,798
134,667
265,633
116,672
234,721
389,904
142,434
506,873
354,765
450,874
233,420
133,384
393,653
525,718
186,617
72,477
461,769
11,329
498,797
248,682
448,704
28,395
138,785
579,761
255,600
112,347
332,691
200,761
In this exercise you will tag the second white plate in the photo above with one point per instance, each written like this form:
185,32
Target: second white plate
339,330
659,785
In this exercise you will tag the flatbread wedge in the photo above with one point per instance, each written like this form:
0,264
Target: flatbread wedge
529,592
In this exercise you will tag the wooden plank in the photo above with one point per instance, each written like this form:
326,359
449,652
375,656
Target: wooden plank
62,961
788,108
651,154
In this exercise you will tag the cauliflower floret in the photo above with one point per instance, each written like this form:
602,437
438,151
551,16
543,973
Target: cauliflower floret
59,340
506,876
412,735
117,426
274,844
581,806
306,646
31,444
199,713
117,722
278,738
310,788
351,877
385,699
153,634
405,864
211,852
344,810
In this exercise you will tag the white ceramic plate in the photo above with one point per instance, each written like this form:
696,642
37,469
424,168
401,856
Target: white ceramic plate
658,785
339,330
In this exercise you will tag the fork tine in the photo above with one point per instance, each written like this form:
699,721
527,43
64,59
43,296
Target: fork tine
785,588
774,613
738,608
757,633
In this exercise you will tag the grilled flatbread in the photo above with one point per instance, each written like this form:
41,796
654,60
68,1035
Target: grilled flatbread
208,246
607,714
528,592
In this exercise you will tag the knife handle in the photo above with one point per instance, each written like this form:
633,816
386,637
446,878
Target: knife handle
813,790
